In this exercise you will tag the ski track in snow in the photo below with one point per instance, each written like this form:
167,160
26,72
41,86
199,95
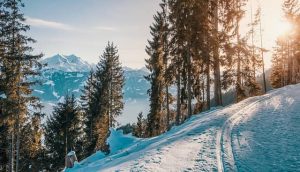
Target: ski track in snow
225,155
203,143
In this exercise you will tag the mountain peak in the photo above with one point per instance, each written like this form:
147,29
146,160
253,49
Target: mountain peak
71,63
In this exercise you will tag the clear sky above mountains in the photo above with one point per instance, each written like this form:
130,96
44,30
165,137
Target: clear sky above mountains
83,27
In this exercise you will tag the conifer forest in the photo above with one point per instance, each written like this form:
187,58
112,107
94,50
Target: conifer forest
160,85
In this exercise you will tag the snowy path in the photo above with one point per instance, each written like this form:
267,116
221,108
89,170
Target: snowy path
225,155
224,139
267,139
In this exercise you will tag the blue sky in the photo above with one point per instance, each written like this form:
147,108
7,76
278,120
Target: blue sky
83,27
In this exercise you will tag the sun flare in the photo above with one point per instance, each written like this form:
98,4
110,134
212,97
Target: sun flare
282,28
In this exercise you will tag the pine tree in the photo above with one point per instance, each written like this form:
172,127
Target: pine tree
18,67
97,124
278,73
168,76
237,52
181,60
216,55
63,132
113,81
176,58
106,101
87,105
156,66
240,92
255,62
140,128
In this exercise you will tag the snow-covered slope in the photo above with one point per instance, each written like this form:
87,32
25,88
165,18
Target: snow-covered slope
257,134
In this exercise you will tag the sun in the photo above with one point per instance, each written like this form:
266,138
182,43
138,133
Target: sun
282,28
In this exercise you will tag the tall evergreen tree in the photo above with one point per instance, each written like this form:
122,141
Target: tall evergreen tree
168,76
113,81
106,101
216,54
279,71
239,57
87,107
157,78
18,68
181,60
63,133
255,62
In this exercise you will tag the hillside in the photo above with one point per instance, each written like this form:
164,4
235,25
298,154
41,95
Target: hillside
257,134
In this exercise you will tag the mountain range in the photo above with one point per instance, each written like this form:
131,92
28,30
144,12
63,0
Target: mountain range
67,75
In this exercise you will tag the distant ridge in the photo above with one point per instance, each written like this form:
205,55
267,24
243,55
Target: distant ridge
71,63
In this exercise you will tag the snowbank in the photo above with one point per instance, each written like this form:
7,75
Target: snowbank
117,141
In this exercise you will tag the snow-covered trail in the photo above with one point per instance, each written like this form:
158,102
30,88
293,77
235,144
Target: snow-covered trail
267,138
212,141
225,154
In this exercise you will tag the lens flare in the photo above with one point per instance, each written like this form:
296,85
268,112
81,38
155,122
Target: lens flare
283,28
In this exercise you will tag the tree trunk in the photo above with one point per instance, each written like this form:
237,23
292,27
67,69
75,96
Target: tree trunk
189,84
238,73
166,65
203,88
262,56
66,142
168,108
178,114
12,152
217,72
208,85
290,64
110,98
18,143
252,42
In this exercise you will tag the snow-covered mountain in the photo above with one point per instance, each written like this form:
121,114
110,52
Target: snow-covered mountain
67,75
258,134
64,63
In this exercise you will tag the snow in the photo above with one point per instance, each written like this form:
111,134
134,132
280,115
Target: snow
3,96
39,91
47,109
269,137
49,82
64,63
76,91
55,94
258,134
79,75
61,99
72,153
117,142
